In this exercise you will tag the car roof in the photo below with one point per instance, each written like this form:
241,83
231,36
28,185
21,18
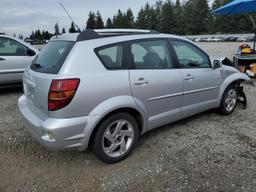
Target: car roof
113,35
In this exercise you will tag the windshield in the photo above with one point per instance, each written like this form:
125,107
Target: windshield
52,57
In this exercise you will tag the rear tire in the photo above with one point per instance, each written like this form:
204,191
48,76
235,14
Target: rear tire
229,100
116,138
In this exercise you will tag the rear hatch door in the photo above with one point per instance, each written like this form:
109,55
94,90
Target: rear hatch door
38,77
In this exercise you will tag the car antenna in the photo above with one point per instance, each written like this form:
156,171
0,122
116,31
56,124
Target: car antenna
70,17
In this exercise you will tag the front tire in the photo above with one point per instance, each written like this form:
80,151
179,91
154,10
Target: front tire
116,138
229,100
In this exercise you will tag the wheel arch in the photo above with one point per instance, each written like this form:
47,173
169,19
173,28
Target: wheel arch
118,104
235,78
132,111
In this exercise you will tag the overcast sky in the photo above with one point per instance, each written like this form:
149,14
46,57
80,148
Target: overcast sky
22,16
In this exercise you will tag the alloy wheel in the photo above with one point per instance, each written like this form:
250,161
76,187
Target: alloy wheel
118,138
230,100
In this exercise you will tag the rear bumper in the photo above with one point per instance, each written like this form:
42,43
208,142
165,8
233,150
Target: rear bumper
55,133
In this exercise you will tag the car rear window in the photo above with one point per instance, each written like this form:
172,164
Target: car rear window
52,57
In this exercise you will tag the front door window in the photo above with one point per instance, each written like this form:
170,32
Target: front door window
189,56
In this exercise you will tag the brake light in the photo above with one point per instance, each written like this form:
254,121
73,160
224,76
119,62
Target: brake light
61,93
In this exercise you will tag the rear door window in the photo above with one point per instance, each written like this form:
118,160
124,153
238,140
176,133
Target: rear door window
150,54
52,57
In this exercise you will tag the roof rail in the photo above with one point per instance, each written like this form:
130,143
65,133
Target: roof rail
101,33
124,31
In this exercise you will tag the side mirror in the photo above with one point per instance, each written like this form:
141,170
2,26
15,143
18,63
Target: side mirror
30,52
216,64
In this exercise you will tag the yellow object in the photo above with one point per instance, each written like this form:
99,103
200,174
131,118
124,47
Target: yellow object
253,68
247,51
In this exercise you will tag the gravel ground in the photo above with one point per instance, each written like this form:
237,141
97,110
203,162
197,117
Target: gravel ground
207,152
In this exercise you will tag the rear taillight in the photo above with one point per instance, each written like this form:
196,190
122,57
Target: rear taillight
61,93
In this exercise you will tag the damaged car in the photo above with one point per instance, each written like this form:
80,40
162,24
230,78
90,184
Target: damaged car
104,88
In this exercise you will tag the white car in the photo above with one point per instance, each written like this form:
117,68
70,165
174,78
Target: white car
15,56
215,39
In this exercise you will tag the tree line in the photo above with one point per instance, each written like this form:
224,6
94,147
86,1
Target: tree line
191,17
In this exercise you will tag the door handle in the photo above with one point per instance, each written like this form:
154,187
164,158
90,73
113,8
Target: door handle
188,77
2,59
141,81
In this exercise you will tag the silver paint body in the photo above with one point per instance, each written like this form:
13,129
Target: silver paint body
12,67
169,95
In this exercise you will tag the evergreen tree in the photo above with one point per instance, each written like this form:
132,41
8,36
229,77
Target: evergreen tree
57,30
158,13
45,35
91,22
38,34
141,22
119,19
114,22
109,24
196,14
99,22
220,22
63,30
147,18
204,16
167,21
128,19
179,18
72,28
188,14
32,35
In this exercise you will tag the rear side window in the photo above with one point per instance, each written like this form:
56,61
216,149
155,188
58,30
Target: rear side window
111,57
52,57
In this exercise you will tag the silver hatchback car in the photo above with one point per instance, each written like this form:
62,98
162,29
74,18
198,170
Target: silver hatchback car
104,88
15,56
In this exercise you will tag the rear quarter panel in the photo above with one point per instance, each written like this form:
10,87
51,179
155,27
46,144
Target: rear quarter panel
97,84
